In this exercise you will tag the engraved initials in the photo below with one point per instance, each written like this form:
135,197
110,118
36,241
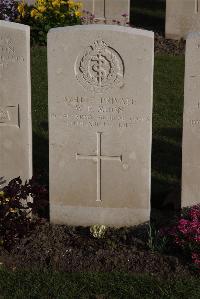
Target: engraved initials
97,158
8,54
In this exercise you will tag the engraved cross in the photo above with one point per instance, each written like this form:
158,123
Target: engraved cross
98,158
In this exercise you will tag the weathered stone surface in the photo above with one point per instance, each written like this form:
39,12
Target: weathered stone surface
182,17
191,124
100,120
108,9
15,101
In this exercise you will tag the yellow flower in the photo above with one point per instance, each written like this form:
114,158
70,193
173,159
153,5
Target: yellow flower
34,12
21,9
71,4
77,13
41,3
41,9
1,193
56,3
39,16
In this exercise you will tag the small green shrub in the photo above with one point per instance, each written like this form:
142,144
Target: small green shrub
47,14
18,203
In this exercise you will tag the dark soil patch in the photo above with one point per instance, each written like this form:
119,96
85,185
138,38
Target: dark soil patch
169,46
69,249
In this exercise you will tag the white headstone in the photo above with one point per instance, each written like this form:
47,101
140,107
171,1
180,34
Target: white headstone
100,123
15,102
108,10
182,17
191,124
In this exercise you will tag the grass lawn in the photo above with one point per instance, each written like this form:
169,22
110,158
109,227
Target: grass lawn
55,285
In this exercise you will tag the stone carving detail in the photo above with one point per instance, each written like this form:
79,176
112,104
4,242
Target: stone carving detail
98,158
9,116
99,68
8,53
4,115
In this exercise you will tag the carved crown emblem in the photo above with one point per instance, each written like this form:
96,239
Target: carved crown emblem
99,67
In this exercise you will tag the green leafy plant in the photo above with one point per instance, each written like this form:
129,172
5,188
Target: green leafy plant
47,14
157,241
17,203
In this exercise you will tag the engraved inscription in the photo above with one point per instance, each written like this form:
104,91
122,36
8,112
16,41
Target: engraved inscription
195,122
101,112
9,116
98,158
99,68
8,53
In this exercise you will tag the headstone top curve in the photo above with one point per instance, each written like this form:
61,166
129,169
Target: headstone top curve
193,35
115,28
14,25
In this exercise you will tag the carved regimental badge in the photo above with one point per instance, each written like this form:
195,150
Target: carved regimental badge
99,68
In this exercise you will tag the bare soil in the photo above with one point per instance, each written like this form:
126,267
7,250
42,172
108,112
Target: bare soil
169,46
69,249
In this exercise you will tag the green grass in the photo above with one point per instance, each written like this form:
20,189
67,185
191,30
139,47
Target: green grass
55,285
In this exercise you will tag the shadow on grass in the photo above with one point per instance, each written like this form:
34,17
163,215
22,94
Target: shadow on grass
166,173
41,157
148,14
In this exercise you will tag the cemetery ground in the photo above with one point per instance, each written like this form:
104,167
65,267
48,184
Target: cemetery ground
65,262
46,260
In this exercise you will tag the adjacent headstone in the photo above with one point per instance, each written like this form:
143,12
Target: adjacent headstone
15,102
29,2
182,17
108,10
191,124
100,124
